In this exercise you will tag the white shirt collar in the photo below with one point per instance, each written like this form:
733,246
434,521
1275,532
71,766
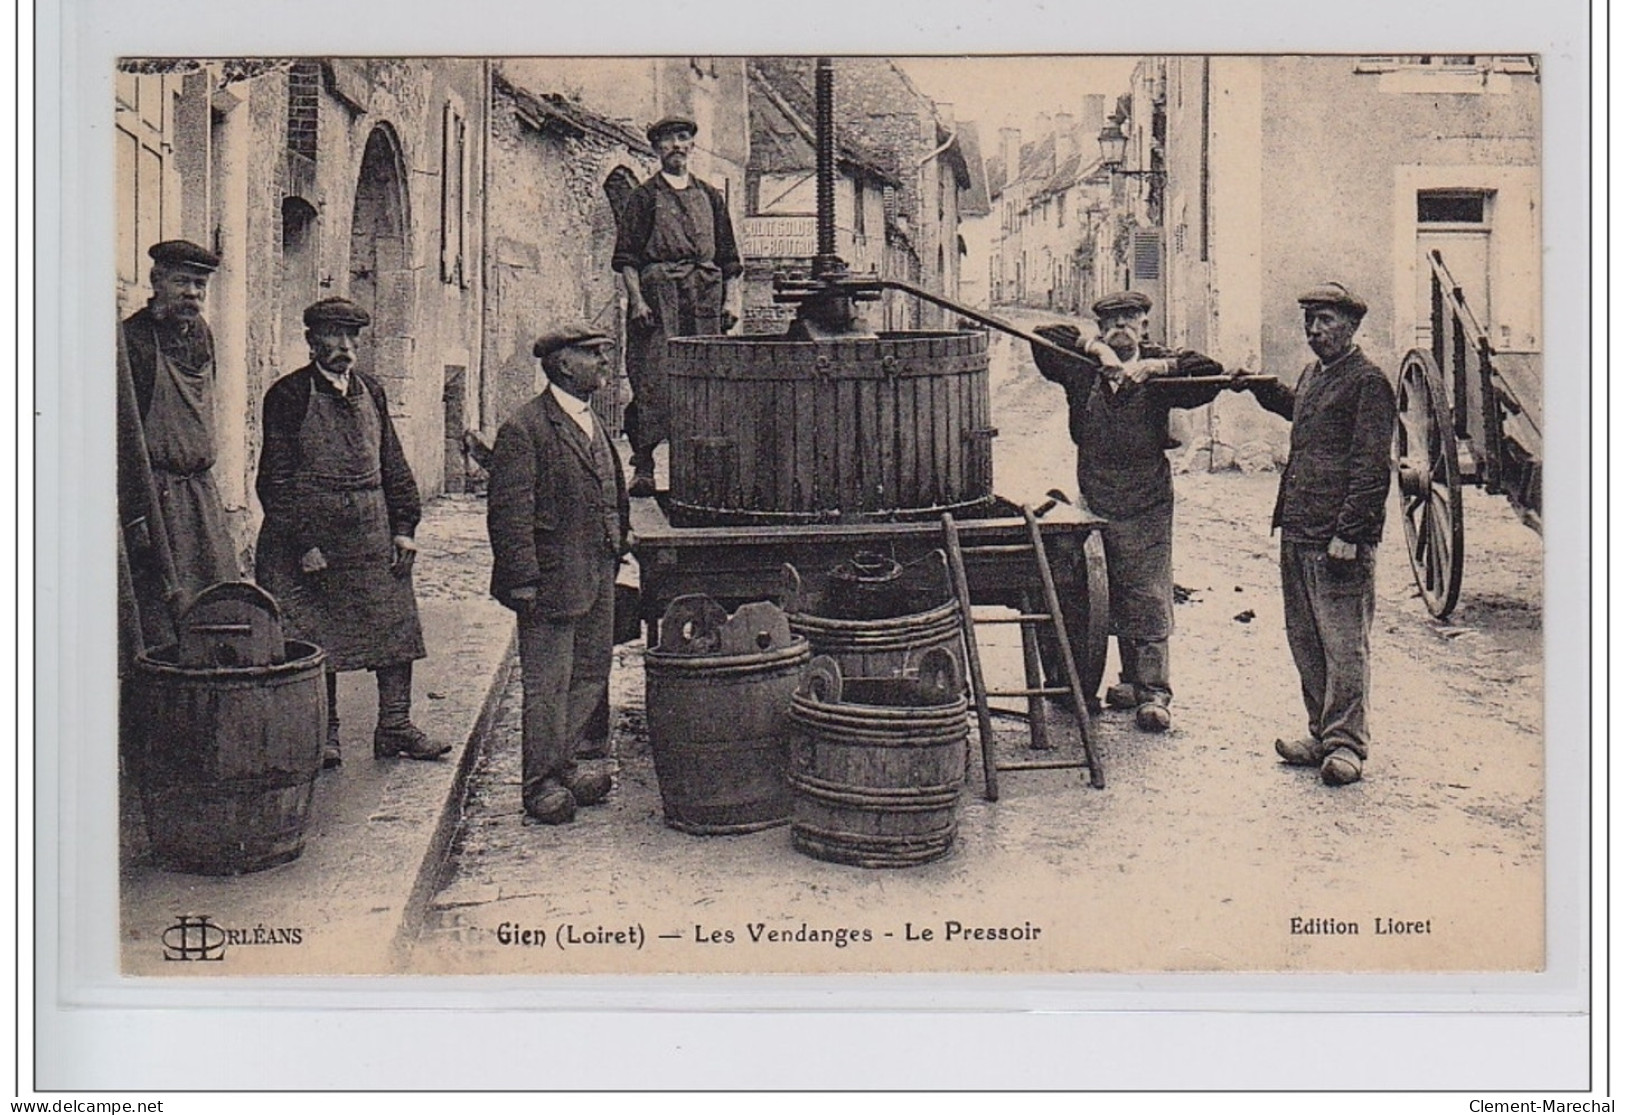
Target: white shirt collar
340,382
578,409
674,182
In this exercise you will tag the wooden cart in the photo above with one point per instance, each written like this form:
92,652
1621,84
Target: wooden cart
1467,415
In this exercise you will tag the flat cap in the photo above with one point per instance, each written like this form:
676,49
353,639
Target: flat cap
183,253
336,311
576,333
670,124
1123,301
1333,294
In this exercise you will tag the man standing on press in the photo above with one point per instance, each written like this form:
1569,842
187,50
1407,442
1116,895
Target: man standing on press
1119,422
676,253
558,518
341,506
1330,509
171,357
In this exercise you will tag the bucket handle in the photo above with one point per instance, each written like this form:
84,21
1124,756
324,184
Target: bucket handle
790,597
822,681
940,675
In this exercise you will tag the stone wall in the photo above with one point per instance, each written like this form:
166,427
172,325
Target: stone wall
552,235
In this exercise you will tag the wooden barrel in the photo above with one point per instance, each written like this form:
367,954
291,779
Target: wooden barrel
719,722
883,648
770,431
227,758
878,768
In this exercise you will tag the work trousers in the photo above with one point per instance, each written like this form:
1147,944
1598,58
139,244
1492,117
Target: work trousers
1329,605
1140,570
564,669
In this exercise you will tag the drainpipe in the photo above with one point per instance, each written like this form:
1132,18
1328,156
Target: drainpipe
941,240
229,301
485,244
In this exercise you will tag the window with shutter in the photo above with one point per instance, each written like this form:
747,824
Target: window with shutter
453,196
1147,255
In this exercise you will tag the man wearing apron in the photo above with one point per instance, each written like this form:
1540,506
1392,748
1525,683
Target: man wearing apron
1120,425
171,354
676,253
341,506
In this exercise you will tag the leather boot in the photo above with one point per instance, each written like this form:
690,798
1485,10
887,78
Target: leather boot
396,734
331,756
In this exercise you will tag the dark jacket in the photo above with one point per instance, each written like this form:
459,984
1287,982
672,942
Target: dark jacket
1122,436
281,459
1335,484
545,511
191,347
638,220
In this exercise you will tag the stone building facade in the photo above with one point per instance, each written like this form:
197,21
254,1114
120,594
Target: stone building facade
1284,171
313,178
387,181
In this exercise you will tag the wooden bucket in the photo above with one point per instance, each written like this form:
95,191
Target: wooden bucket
879,766
717,691
772,431
227,757
883,648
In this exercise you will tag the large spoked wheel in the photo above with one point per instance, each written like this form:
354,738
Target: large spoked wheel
1429,483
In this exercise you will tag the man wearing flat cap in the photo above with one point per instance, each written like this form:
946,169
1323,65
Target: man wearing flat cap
171,360
341,506
558,518
676,253
1119,422
1329,510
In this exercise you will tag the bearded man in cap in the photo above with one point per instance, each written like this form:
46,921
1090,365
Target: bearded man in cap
1119,422
558,518
676,253
1329,510
341,506
171,359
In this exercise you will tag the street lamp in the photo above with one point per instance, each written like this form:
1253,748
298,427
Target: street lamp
1113,145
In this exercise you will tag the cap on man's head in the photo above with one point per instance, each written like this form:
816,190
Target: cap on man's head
575,335
184,253
670,124
1122,302
336,311
1335,295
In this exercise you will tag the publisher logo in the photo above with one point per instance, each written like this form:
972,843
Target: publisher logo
200,937
194,937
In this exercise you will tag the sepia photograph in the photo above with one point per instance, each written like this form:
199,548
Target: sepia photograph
628,515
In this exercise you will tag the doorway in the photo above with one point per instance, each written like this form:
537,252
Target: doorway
381,279
453,403
1456,224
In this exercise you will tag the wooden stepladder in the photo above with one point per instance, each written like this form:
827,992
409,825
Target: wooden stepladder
1035,691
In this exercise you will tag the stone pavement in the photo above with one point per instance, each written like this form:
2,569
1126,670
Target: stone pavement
378,829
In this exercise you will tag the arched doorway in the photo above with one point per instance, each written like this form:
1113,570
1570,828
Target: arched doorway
381,278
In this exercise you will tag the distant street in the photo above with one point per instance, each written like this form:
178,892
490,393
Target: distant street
1199,853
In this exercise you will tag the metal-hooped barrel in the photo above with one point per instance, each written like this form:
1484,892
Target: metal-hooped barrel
879,764
227,757
719,732
882,648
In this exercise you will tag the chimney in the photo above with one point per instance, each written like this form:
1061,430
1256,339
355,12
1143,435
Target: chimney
1010,151
1094,114
1066,138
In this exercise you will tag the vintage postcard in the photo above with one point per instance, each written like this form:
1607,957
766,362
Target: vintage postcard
792,514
